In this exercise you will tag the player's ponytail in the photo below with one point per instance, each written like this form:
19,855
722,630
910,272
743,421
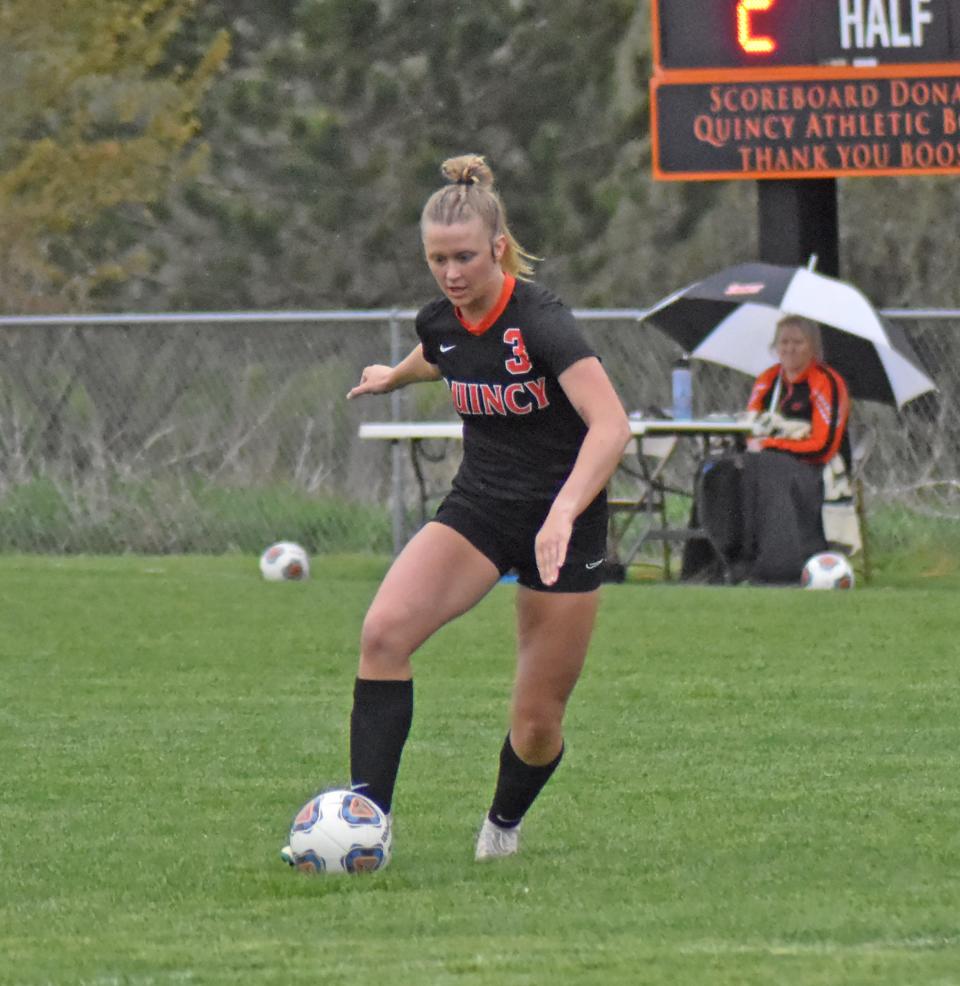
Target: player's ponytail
469,193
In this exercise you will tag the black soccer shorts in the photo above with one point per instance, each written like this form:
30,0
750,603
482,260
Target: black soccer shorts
505,531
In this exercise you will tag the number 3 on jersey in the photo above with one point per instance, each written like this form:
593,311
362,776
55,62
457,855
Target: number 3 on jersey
521,361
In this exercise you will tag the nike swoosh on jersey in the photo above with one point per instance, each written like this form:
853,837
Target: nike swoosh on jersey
446,349
594,564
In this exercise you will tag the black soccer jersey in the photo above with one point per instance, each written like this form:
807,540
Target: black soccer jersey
521,434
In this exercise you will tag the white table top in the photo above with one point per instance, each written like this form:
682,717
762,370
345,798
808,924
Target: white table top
397,430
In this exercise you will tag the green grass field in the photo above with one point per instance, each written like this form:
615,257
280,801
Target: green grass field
761,786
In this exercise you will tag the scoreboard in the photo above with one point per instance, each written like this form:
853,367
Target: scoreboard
765,33
805,88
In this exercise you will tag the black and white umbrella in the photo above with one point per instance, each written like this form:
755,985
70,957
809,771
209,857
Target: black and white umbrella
729,318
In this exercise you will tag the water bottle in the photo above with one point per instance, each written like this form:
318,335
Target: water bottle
682,379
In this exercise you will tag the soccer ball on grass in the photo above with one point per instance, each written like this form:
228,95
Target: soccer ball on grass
285,562
827,570
340,832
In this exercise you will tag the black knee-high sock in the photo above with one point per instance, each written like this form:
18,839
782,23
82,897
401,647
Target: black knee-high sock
379,724
518,785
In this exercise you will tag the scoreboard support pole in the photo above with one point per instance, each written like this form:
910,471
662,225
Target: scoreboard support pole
797,218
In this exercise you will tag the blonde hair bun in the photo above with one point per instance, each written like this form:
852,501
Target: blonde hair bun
468,169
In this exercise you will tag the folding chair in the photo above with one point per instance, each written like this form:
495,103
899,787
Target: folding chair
861,452
844,505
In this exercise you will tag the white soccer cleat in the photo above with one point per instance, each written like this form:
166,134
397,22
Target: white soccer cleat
287,856
495,842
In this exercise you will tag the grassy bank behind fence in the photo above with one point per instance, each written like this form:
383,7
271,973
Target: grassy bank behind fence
180,518
172,517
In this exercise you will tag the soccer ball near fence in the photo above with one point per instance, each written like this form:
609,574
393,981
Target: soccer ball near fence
827,570
285,561
340,832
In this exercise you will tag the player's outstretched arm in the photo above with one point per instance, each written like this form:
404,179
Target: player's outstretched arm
380,379
608,431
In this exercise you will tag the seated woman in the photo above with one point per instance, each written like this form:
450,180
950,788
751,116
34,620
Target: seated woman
800,406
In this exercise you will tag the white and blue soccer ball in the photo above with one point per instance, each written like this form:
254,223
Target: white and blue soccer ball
285,561
827,570
340,832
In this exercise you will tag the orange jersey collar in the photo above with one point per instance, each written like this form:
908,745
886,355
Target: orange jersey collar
509,282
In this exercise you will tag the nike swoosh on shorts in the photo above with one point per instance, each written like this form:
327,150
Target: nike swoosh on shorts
593,564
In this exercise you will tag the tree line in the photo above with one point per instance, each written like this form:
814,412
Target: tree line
206,154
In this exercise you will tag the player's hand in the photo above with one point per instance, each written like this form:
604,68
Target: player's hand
376,379
754,444
551,545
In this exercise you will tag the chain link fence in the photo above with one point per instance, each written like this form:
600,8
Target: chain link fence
224,432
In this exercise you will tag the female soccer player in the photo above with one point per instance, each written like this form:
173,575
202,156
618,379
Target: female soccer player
543,431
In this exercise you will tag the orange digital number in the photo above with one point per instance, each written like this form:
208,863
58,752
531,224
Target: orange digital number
750,43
